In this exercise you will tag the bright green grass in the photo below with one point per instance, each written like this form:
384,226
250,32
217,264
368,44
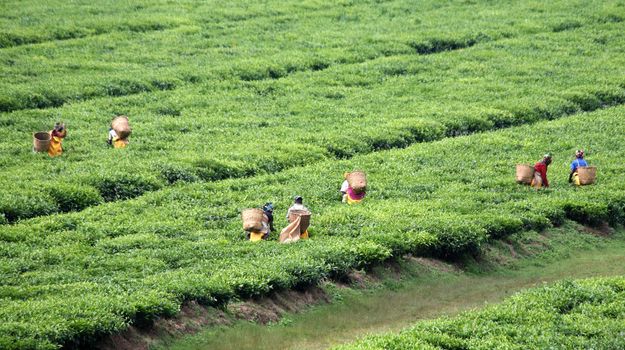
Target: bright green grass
279,104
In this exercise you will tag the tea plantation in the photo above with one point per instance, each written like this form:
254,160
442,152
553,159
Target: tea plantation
386,75
233,105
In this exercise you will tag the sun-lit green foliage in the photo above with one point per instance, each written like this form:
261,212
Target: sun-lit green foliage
226,90
581,314
235,104
141,258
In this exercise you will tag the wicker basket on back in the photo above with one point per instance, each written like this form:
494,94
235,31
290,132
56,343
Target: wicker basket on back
357,181
305,219
252,219
524,173
41,141
121,126
587,175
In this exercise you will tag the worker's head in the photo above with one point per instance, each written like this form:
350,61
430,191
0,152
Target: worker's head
268,207
547,158
298,200
59,126
579,153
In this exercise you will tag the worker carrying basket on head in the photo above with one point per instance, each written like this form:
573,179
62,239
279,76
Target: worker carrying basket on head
354,187
540,172
56,140
119,132
299,221
576,164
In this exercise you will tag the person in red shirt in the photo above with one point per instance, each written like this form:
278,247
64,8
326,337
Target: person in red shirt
540,172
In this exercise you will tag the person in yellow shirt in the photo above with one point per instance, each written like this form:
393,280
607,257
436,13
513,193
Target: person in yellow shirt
115,140
56,140
349,196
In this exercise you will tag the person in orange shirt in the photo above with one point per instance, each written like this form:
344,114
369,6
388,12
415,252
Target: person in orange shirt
56,140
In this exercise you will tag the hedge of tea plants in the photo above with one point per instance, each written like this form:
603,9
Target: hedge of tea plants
578,314
217,93
69,278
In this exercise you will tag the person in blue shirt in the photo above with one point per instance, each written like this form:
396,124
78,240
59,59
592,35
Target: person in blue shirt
578,162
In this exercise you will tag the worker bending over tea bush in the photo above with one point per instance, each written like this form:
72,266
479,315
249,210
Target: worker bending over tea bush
350,196
115,141
298,206
578,162
354,187
56,140
540,172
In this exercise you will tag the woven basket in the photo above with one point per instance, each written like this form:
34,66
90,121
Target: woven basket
121,126
252,219
357,181
524,173
587,175
305,221
41,141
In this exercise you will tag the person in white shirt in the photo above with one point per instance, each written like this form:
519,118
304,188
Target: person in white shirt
297,205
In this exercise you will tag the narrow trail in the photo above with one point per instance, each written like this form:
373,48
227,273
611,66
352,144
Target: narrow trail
436,293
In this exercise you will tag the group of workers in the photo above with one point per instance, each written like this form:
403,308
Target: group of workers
59,132
348,195
540,170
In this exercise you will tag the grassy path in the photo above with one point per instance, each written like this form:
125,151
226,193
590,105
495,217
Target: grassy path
394,305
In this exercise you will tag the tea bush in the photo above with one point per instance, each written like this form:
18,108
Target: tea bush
185,242
234,104
571,314
329,95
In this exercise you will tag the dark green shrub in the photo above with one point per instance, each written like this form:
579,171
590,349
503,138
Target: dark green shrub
28,204
124,186
73,197
173,174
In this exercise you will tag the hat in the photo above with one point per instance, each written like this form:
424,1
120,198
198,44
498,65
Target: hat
268,206
547,155
296,198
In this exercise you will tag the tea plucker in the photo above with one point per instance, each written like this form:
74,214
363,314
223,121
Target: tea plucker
298,205
350,196
540,172
115,141
575,164
56,139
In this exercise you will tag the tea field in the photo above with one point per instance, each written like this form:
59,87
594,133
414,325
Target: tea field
229,91
73,276
579,314
233,105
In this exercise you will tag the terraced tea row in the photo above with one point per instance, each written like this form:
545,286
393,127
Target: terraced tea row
238,129
579,314
172,44
71,277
